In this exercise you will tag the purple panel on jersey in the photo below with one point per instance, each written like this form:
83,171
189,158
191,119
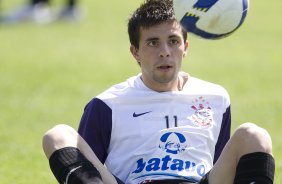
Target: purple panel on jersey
224,134
96,126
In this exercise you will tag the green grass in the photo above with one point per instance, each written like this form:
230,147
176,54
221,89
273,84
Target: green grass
49,72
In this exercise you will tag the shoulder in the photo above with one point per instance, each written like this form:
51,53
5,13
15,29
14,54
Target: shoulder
198,86
119,89
130,88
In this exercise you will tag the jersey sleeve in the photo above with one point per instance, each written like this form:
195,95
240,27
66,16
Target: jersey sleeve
95,127
224,134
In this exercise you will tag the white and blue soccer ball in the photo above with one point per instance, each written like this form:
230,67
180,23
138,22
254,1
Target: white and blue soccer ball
211,19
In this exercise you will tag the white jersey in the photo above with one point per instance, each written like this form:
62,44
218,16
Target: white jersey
141,134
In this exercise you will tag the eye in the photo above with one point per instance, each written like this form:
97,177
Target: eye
173,41
152,43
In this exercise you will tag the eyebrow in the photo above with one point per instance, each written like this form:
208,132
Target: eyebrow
152,39
156,38
174,36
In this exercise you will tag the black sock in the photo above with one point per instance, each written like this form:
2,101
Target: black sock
71,167
256,168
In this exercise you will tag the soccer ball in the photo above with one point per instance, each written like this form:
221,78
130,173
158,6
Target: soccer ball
211,19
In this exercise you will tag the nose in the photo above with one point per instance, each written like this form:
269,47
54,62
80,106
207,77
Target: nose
164,50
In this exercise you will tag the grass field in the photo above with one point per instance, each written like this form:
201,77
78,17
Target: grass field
49,72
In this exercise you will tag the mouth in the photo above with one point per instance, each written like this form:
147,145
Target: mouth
164,67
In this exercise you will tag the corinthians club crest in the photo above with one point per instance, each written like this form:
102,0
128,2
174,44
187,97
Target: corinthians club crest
203,115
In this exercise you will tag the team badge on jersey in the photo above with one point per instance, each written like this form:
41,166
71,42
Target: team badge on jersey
203,115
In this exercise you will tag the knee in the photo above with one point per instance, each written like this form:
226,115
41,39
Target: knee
58,137
252,138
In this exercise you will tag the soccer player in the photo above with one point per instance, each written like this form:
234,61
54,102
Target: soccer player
161,126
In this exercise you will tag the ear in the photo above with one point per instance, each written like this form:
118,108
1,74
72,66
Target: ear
186,44
134,52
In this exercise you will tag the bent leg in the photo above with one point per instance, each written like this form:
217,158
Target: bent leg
63,136
248,140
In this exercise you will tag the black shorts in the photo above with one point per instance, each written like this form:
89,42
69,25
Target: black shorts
205,179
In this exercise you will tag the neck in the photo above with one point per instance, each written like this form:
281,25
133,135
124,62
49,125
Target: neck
174,85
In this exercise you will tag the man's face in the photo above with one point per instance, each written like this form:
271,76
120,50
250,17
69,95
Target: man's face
160,54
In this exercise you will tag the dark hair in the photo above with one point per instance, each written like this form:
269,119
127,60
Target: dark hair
150,13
